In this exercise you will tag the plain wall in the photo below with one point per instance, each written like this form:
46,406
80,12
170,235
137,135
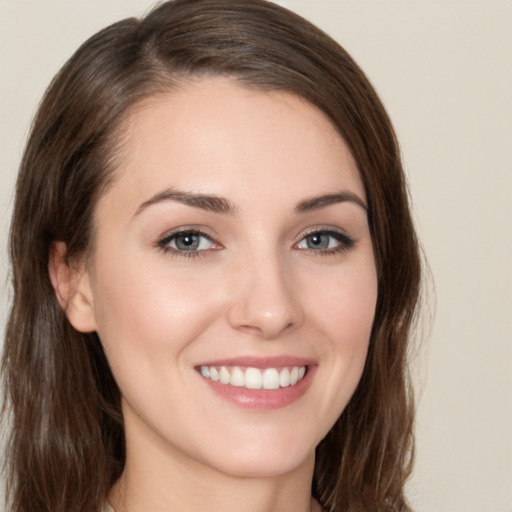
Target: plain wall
444,71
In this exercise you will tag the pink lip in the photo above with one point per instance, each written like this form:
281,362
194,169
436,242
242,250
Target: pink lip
260,362
262,399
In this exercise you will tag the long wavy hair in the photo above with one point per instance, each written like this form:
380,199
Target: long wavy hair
66,443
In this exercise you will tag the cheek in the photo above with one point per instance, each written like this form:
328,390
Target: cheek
148,314
345,302
344,316
358,302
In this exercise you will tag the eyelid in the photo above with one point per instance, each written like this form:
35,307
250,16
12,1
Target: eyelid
346,241
164,241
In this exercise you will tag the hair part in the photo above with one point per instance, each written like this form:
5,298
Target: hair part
66,445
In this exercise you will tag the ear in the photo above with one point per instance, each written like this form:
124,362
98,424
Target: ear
71,283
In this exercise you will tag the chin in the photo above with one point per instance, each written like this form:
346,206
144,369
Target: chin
265,466
263,454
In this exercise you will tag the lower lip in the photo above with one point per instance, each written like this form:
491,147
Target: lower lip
262,399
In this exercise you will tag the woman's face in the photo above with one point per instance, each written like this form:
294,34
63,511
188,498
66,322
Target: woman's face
232,253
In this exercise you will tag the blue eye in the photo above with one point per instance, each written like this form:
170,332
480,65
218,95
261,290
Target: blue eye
187,242
326,241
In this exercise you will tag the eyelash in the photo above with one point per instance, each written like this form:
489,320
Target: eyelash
163,244
345,243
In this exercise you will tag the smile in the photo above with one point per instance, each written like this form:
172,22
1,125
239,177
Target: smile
255,378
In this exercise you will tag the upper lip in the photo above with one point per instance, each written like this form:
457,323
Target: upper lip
260,362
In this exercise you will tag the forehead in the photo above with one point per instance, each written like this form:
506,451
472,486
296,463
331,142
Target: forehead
214,130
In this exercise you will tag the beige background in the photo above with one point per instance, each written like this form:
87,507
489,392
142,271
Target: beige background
444,70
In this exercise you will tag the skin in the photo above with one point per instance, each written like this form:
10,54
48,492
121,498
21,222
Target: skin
255,287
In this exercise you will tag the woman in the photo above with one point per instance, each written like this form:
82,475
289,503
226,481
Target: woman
215,275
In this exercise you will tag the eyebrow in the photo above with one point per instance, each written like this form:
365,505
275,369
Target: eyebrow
206,202
218,204
318,202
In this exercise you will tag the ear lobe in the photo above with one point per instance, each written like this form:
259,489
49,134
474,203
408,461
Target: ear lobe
72,288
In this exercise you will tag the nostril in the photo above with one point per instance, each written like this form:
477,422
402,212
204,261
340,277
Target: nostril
265,304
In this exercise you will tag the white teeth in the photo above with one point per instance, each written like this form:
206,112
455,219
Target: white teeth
270,379
224,376
284,378
237,377
214,373
294,375
255,378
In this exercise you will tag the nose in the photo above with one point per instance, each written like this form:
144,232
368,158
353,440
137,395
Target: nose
266,301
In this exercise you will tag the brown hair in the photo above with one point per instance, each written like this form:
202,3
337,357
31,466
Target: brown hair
66,444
